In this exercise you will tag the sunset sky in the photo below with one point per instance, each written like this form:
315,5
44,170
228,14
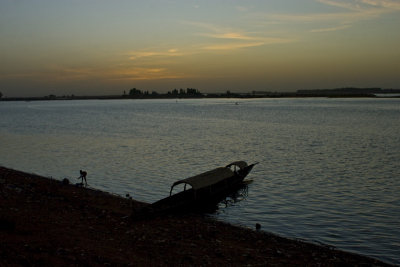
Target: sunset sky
101,47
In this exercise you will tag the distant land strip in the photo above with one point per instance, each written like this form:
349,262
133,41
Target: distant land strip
195,93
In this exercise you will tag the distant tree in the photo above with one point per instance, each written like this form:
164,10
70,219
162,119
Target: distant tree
135,91
1,94
192,91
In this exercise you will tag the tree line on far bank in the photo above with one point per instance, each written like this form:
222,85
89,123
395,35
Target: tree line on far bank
181,92
135,93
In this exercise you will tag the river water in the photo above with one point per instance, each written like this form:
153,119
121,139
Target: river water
329,169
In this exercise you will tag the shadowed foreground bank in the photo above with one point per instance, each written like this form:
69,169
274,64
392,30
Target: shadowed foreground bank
45,222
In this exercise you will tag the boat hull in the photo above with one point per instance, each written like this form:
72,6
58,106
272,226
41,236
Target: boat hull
204,199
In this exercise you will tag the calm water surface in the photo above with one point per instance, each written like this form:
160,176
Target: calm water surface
329,169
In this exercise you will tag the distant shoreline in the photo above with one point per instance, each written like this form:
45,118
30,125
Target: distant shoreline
138,94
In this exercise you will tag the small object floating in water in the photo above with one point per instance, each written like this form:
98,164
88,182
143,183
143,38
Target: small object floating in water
258,226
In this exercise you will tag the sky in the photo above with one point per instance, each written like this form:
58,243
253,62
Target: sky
106,47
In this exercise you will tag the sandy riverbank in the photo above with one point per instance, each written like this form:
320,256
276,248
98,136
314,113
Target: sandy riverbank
44,222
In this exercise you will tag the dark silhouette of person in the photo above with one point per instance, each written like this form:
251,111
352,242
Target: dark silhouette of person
83,176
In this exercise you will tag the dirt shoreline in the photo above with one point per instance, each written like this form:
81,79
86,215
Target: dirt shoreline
45,222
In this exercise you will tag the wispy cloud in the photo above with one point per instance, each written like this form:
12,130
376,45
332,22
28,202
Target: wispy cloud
229,35
381,6
240,45
357,10
351,12
394,5
332,29
231,46
236,39
345,17
205,26
345,5
173,52
53,73
144,74
68,74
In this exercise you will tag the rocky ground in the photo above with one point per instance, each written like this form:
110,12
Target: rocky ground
45,222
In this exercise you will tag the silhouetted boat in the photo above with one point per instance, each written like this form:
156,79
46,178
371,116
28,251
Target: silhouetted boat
206,189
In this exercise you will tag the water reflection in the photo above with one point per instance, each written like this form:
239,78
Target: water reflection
239,195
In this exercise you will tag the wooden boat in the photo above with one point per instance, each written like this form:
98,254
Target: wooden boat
206,189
